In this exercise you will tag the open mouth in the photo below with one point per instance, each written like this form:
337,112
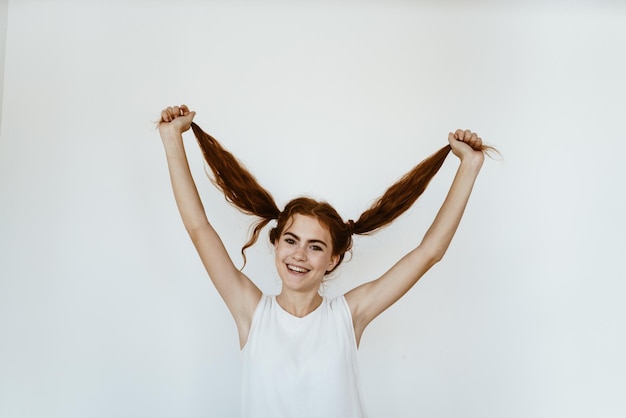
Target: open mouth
296,269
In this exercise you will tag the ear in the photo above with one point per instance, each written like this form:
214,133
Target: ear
333,262
273,237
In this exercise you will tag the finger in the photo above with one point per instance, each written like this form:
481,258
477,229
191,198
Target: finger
476,144
165,116
170,113
458,134
184,110
471,139
467,135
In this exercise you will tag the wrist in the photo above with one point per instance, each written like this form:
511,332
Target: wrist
169,132
473,161
172,140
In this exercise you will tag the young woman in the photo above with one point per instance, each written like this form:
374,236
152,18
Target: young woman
299,348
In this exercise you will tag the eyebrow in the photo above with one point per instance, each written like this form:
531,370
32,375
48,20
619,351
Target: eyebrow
311,241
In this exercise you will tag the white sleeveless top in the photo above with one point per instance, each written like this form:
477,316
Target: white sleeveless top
301,367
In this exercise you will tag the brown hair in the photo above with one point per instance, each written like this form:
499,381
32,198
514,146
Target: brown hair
242,190
340,231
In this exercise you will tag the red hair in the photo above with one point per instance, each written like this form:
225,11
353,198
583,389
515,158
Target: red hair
243,191
340,232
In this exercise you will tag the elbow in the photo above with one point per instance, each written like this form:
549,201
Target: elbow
434,255
437,257
196,231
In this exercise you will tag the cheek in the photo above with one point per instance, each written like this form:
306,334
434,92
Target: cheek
324,260
278,252
282,251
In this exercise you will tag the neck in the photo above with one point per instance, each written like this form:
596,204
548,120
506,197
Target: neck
298,304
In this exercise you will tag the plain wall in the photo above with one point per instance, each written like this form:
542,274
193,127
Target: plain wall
3,37
105,310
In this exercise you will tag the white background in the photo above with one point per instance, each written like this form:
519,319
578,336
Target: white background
105,310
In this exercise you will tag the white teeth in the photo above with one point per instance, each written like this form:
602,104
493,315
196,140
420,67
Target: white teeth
297,269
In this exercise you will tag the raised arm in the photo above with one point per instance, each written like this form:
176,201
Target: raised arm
370,299
237,290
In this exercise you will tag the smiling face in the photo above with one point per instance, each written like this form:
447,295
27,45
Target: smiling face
304,254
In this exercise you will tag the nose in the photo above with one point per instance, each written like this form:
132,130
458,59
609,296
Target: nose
299,254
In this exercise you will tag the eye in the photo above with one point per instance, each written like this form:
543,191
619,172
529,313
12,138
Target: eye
316,248
290,240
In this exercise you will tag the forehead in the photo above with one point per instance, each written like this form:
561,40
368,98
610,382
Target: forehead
307,227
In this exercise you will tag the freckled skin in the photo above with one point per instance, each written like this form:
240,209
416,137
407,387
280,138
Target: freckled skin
304,255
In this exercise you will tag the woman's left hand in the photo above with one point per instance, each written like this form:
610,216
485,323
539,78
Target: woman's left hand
466,144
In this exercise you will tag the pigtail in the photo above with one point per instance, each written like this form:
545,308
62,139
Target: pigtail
402,194
239,186
242,190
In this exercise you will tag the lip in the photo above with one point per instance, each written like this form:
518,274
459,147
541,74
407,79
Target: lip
292,268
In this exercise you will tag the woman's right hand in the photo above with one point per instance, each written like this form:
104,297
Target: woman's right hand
466,144
175,119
